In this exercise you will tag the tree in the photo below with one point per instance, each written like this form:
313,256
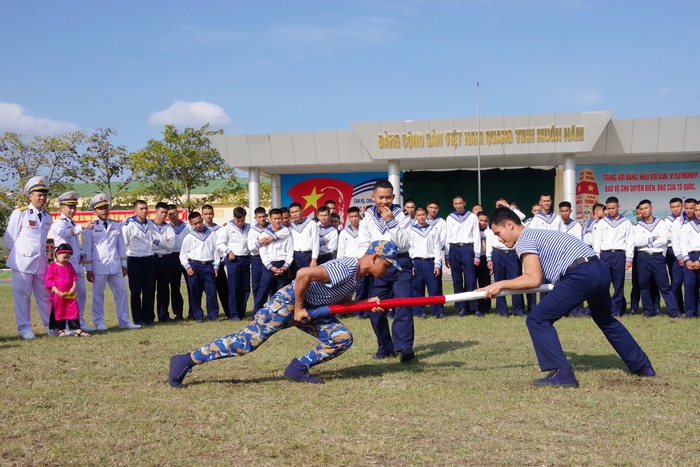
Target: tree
180,162
104,164
53,157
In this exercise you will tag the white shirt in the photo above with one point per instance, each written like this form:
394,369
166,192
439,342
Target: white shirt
253,234
280,249
138,237
463,228
305,237
690,238
674,225
347,243
199,246
105,252
550,221
644,236
588,231
65,230
614,234
374,227
25,239
425,243
441,226
163,239
181,230
328,239
234,239
573,228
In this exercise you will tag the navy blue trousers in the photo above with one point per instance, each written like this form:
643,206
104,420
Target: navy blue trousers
589,282
483,278
424,277
675,270
302,259
175,271
256,269
203,281
142,286
615,261
691,282
222,289
238,272
652,269
398,284
463,274
162,270
507,266
269,284
636,293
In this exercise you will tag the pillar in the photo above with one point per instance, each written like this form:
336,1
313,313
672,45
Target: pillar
395,179
253,190
570,180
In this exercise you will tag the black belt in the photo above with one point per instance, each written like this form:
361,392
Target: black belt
297,251
651,253
613,251
505,252
694,252
587,259
158,255
203,263
403,255
432,260
461,244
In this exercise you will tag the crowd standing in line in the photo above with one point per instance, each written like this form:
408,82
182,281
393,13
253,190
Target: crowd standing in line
229,263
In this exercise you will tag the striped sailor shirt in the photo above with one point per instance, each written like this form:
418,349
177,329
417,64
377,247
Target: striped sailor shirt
556,250
342,272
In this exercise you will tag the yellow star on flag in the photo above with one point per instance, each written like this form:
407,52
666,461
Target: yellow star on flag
312,199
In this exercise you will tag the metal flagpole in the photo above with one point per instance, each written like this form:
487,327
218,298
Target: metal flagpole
478,133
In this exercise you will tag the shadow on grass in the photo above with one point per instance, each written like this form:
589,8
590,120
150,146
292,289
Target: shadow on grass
595,362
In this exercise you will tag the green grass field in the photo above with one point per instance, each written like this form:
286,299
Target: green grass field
467,401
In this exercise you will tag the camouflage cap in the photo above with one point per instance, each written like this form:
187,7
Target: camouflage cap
384,249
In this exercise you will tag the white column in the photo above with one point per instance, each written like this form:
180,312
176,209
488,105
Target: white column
253,190
570,180
395,179
276,188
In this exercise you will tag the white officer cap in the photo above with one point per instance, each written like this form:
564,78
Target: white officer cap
99,200
70,198
36,184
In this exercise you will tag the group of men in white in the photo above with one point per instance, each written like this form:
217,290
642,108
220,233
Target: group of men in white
225,259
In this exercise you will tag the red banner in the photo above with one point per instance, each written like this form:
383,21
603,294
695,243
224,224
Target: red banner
116,215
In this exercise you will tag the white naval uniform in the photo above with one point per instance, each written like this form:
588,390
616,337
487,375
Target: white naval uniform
280,249
614,234
425,243
305,237
573,228
105,256
347,243
25,239
550,221
65,230
233,239
328,239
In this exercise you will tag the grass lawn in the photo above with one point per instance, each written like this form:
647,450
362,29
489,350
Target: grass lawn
467,401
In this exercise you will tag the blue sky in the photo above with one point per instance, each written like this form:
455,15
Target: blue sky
280,66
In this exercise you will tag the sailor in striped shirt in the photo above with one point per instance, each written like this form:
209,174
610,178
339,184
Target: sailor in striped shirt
578,275
302,304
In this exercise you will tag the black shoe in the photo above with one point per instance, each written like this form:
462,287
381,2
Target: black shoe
296,371
461,313
407,356
178,318
180,365
647,371
441,316
383,357
479,314
214,320
561,378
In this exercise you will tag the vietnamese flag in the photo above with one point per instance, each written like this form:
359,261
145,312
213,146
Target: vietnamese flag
314,192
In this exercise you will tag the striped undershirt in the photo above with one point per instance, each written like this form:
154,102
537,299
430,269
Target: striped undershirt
556,250
342,272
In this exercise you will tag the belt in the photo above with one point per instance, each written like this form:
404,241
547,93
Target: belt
203,263
297,251
158,255
403,255
505,252
613,251
461,244
424,259
694,252
587,259
651,253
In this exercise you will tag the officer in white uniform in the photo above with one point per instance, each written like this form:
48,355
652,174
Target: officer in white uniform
25,237
105,263
66,230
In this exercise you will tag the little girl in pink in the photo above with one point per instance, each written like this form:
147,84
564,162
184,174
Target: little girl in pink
62,279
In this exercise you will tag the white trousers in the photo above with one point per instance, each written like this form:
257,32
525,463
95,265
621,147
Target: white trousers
23,284
118,288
